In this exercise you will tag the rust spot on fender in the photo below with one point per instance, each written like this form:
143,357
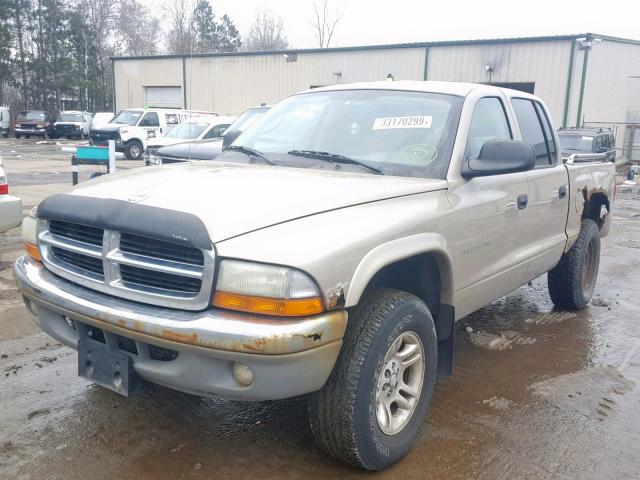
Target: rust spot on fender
336,297
191,338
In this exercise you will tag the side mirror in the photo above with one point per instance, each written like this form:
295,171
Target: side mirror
229,137
498,157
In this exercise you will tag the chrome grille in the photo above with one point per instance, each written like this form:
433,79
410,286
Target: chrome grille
128,265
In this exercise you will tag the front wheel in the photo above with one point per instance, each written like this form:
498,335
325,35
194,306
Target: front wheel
572,281
371,409
133,150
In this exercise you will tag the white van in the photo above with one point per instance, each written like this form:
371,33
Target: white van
131,128
72,123
5,121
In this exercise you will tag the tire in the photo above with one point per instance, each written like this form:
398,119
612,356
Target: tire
27,136
17,135
344,413
133,150
572,281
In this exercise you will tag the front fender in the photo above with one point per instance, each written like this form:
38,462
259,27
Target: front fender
400,249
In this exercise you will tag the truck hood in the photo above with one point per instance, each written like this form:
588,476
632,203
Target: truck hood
232,199
109,127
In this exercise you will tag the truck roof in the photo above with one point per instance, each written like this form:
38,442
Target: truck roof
584,131
451,88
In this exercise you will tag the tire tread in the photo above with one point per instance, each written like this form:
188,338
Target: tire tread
331,409
564,279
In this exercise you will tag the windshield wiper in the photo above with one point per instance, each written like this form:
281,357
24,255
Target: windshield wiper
333,158
250,152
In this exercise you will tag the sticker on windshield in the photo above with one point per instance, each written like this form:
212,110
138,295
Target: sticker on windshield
384,123
587,138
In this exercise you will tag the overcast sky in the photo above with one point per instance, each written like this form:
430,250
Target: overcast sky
368,22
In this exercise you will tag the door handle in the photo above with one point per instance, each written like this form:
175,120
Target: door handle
523,200
562,191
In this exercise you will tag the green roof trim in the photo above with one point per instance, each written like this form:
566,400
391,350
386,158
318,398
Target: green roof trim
444,43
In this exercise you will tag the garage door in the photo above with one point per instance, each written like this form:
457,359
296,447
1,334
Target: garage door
170,97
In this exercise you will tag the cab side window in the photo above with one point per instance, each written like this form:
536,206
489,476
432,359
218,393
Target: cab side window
489,122
150,120
217,131
531,129
600,148
548,132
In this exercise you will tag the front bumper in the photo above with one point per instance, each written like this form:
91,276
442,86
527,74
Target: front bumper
10,212
30,130
287,357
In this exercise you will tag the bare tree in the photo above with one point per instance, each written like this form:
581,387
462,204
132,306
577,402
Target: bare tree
266,33
325,20
179,34
139,36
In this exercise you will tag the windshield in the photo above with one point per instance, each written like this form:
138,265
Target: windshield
127,117
69,117
576,143
246,119
187,131
400,133
30,116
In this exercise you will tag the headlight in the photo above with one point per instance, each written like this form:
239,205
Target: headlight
40,125
155,160
266,289
29,236
18,125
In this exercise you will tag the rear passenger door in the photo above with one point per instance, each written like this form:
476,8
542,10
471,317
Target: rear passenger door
548,189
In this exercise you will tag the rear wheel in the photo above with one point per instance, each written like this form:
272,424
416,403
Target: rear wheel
133,150
371,409
17,135
573,280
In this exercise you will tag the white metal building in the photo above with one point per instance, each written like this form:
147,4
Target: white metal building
585,79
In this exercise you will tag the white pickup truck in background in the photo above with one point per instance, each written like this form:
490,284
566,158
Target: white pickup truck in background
328,251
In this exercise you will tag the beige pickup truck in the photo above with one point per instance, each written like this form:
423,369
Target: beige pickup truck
328,252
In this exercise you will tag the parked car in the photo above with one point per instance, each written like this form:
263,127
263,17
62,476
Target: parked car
207,149
100,119
5,121
587,141
72,124
33,122
328,252
10,206
195,129
131,128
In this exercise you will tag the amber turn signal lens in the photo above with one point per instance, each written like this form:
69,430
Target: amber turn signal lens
33,251
268,306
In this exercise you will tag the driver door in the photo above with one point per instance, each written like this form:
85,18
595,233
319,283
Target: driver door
151,123
489,218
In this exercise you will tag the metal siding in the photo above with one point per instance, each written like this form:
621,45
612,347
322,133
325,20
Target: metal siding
610,93
131,78
544,63
229,84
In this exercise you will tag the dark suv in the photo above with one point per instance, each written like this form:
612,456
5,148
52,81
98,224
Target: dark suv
33,122
587,140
